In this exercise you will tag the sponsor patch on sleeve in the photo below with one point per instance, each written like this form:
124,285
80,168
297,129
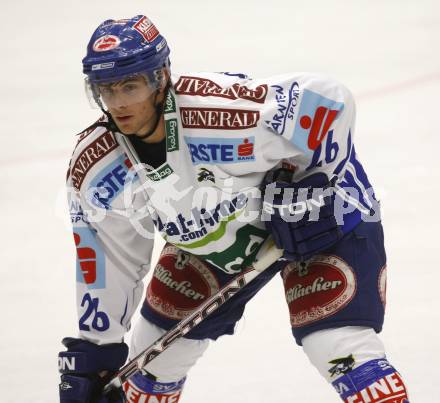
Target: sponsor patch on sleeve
91,154
315,117
90,265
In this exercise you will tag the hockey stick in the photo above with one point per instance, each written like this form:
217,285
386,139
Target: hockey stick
267,255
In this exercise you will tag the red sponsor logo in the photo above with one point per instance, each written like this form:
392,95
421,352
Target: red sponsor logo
382,285
128,163
245,149
389,389
107,42
82,136
86,259
147,29
319,125
95,151
215,118
134,395
180,283
326,286
206,88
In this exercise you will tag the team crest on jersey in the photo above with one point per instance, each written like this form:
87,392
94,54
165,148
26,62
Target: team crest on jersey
179,284
328,286
205,174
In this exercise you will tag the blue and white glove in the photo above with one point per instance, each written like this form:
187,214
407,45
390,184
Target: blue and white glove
86,368
300,215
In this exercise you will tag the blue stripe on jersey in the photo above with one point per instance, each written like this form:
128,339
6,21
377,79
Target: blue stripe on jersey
350,150
356,178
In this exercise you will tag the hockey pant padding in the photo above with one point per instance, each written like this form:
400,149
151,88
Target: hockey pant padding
174,363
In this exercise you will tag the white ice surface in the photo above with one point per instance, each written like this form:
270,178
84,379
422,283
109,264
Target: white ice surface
386,51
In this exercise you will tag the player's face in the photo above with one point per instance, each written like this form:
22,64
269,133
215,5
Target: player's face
131,104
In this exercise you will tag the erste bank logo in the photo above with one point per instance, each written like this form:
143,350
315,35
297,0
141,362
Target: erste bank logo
110,182
205,150
90,263
316,115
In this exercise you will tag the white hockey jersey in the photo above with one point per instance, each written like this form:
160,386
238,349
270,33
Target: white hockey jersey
223,133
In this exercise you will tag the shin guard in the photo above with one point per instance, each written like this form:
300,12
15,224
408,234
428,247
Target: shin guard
353,360
373,382
142,389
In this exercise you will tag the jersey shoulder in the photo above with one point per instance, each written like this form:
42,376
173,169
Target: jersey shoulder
218,88
269,95
94,144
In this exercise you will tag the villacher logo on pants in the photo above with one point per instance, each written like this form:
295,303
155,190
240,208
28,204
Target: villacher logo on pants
329,286
174,292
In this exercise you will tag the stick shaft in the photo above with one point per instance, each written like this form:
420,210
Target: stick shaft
267,255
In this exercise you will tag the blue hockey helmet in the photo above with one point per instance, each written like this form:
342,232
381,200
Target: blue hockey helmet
119,48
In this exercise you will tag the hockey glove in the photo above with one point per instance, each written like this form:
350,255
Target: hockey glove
300,215
86,368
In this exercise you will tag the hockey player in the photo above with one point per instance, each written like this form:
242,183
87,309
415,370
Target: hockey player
217,162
